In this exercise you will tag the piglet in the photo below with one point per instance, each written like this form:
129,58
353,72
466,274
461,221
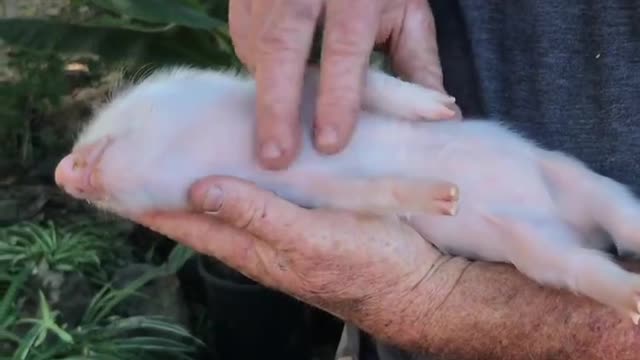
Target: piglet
473,188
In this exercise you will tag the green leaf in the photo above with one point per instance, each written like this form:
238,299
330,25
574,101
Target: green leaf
28,342
152,323
11,294
162,11
115,45
108,298
6,335
178,257
63,335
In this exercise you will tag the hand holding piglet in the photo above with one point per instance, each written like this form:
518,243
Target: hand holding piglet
383,277
144,150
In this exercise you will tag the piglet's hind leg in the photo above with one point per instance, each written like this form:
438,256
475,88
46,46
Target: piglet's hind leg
385,195
596,199
549,252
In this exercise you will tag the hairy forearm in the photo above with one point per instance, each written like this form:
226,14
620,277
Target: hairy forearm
491,311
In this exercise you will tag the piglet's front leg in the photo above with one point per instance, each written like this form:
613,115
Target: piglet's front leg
385,195
395,97
386,94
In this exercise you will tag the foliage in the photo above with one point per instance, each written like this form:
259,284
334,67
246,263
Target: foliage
106,36
102,333
133,32
122,34
39,87
83,249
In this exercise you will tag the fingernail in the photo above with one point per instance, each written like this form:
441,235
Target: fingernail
213,199
327,136
270,150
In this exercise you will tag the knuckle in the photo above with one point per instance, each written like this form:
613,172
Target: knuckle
341,87
348,35
345,42
303,10
276,41
292,29
253,212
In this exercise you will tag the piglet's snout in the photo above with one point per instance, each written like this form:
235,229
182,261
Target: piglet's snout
71,175
75,173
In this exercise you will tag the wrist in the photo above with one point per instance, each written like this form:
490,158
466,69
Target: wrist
401,314
423,302
493,311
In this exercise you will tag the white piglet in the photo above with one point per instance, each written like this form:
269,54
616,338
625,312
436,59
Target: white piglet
473,188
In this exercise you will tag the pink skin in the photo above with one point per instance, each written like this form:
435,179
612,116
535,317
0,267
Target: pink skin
75,172
539,210
311,186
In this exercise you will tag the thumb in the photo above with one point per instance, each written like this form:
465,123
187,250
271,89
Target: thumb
243,205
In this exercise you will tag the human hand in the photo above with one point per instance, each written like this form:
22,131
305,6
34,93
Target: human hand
273,39
382,277
358,267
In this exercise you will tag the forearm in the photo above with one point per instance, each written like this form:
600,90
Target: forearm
482,310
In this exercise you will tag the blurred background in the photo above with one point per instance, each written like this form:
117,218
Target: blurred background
79,284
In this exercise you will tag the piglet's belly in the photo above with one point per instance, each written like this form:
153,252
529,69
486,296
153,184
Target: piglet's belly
489,184
469,233
465,235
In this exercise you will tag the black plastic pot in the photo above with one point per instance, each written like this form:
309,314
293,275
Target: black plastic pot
250,321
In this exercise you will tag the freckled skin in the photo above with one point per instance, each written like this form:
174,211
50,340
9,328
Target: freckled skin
473,188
